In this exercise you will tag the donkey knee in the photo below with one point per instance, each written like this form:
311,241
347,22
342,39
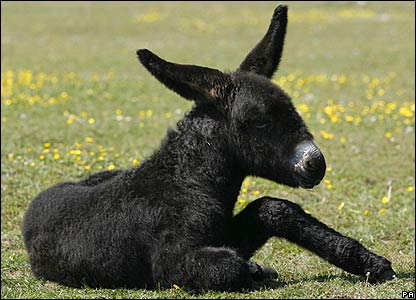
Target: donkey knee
277,215
278,208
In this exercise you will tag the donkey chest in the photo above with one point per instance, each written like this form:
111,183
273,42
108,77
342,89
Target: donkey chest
200,223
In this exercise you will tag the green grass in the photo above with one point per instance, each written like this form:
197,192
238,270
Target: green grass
74,100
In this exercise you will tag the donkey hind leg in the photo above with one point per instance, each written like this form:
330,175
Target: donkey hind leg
203,269
267,217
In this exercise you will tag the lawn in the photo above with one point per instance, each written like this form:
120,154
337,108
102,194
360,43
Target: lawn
75,100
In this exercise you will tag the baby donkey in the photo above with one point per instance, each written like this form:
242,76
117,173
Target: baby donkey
170,220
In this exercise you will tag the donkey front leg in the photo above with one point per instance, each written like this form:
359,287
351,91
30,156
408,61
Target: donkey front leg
267,217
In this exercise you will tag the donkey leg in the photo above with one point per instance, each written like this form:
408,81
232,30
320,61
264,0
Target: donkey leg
267,217
203,269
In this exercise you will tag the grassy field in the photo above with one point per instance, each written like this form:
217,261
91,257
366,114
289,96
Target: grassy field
75,100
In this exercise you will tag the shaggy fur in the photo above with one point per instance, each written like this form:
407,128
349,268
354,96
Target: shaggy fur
170,220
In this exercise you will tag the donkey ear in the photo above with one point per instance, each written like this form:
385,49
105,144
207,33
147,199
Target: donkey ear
191,82
265,57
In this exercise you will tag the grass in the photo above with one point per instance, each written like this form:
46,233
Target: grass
74,100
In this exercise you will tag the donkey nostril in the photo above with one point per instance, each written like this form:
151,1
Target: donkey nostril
315,163
311,165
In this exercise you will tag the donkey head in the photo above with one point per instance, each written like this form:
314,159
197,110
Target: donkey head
267,135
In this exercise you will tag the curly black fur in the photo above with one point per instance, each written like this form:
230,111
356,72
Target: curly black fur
170,220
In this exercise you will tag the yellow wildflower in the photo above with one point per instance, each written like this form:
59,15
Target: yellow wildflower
89,139
64,95
246,182
349,118
303,108
241,201
74,152
255,193
404,111
326,135
136,162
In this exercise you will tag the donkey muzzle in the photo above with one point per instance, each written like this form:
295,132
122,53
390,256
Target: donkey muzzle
308,164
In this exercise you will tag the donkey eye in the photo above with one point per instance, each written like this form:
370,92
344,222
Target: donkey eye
261,124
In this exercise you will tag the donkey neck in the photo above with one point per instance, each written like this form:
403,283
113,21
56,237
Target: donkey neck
200,157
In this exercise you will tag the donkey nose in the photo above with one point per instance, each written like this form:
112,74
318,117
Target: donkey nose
309,164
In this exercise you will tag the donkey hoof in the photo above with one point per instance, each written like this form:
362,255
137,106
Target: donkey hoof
260,273
269,273
383,275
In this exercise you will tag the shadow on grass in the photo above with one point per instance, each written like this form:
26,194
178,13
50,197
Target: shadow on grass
319,278
405,275
354,279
